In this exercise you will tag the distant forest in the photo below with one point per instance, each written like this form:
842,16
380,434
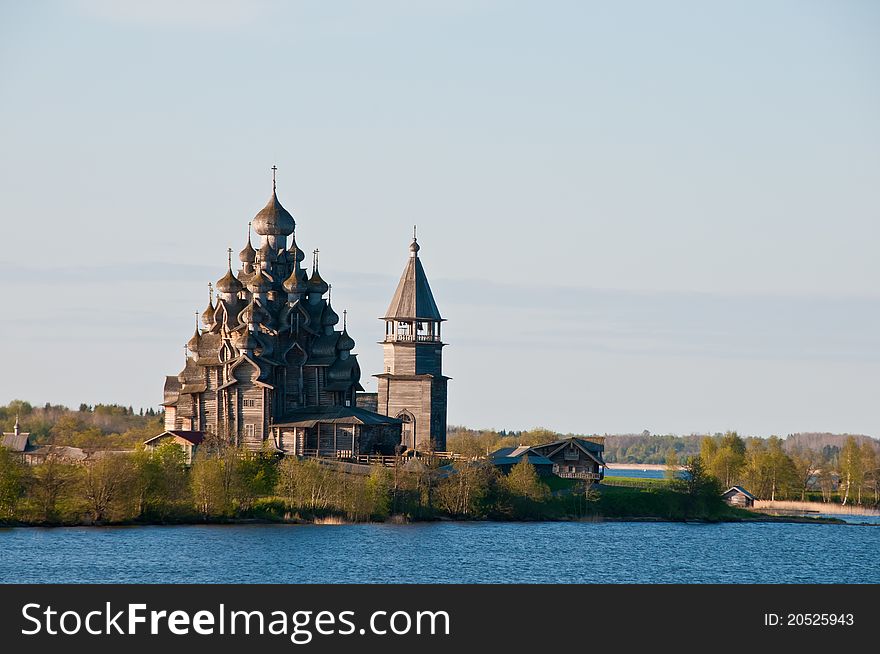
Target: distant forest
637,448
90,427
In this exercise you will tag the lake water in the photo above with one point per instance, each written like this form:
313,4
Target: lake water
635,473
485,552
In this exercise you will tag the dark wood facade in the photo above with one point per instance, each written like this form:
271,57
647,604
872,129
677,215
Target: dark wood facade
575,458
738,496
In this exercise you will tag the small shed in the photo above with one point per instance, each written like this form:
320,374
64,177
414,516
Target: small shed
738,496
188,440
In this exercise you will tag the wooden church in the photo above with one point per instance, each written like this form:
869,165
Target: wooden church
269,369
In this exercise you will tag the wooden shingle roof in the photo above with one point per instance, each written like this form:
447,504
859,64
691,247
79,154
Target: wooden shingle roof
342,415
413,298
15,442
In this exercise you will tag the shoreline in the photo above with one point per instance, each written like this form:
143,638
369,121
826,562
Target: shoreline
234,522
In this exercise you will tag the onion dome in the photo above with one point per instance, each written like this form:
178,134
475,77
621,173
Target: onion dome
267,253
295,284
248,254
258,282
247,340
345,341
316,284
229,283
193,344
330,317
273,219
208,315
414,248
298,254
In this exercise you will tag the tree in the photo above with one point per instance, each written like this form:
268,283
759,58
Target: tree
305,484
209,486
708,451
672,463
779,467
729,459
870,471
48,481
523,481
254,475
158,479
19,408
379,488
103,482
701,490
12,483
468,489
851,470
525,489
805,462
755,469
696,480
826,482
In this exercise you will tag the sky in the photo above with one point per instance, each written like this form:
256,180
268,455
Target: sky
634,215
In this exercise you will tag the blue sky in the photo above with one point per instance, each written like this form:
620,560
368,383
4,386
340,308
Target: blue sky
635,215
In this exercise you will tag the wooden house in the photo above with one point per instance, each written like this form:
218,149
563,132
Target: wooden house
738,496
569,458
188,440
575,457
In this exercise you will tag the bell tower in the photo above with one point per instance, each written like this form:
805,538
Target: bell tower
412,386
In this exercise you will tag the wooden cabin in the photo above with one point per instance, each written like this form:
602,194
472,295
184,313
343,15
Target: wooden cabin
575,457
569,458
188,440
738,496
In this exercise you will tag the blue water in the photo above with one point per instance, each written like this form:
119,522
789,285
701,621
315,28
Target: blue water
635,473
486,552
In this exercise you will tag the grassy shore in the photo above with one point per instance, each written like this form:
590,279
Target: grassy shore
606,503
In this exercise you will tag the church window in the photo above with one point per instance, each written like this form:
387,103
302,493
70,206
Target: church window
249,430
250,403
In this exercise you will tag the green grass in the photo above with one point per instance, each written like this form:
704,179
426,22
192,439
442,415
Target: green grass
635,482
660,502
559,484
